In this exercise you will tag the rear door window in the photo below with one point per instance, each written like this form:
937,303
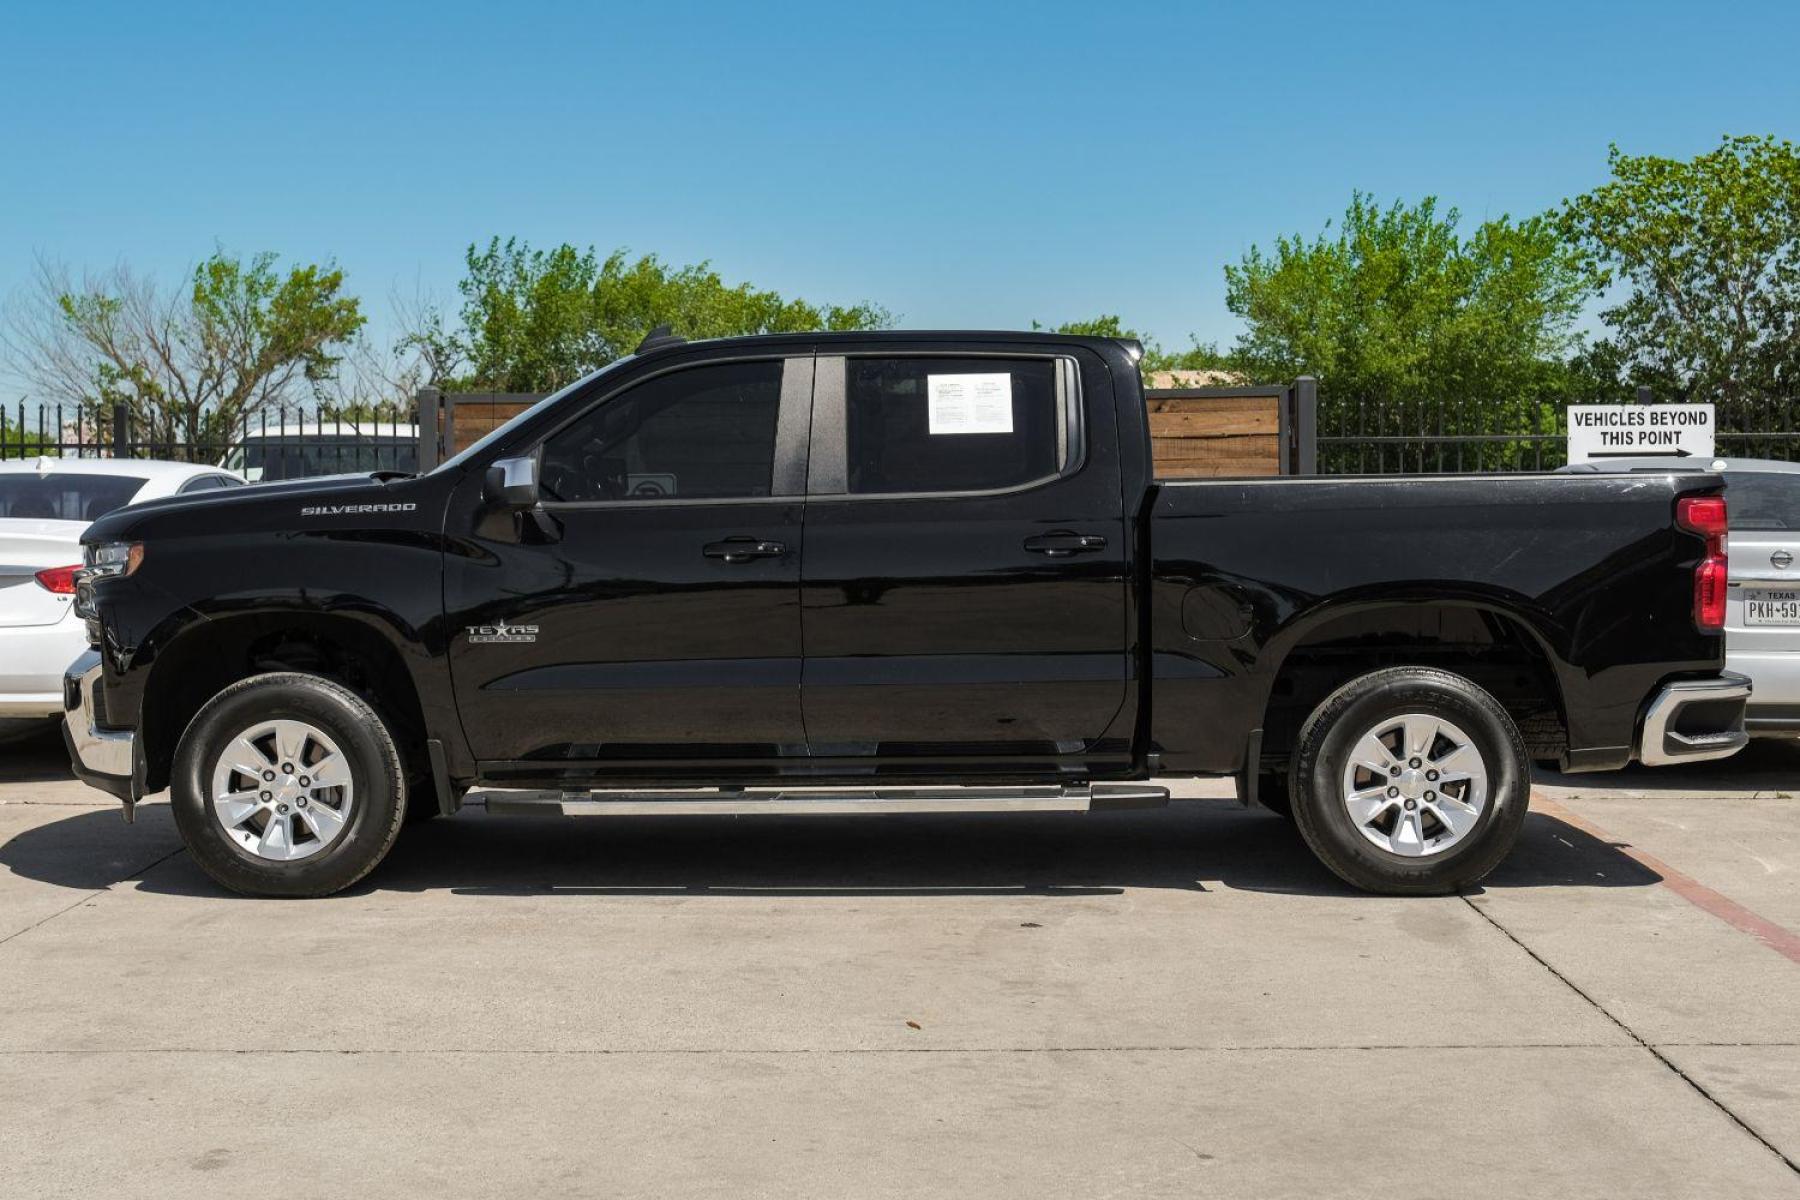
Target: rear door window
925,424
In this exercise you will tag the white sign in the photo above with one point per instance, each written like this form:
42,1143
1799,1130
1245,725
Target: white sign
970,403
1602,432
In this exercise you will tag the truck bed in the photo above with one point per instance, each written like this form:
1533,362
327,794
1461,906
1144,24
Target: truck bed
1588,570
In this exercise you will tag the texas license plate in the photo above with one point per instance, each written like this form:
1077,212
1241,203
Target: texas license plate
1765,607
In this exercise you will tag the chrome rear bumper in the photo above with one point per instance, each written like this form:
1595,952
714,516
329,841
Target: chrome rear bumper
101,757
1693,720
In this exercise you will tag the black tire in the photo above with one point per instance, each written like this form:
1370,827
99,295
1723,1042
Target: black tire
375,767
1323,753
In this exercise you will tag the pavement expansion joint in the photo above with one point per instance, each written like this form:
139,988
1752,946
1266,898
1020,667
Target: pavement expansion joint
821,1051
1665,1060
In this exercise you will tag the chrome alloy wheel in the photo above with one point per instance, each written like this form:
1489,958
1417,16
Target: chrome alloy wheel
1415,785
282,790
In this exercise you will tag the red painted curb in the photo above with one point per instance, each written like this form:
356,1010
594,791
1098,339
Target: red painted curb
1778,938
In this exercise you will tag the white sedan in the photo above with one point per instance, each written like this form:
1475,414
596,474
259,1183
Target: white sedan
45,504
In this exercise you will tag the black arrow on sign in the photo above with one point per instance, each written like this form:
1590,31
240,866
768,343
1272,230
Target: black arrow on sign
1644,454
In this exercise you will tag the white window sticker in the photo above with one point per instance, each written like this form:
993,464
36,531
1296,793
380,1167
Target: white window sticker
970,403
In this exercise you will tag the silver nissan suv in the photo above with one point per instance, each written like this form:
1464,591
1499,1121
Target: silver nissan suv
1762,605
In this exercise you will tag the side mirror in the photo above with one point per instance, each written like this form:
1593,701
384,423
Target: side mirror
512,482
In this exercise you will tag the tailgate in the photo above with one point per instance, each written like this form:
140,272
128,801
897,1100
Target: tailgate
27,547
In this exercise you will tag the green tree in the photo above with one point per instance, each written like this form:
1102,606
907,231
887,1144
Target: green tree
191,364
535,320
1398,313
1706,252
1199,355
1396,303
1106,325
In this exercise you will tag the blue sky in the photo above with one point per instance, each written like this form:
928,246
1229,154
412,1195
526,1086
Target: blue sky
963,164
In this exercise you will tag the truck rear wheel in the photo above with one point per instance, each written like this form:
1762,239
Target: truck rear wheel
288,785
1410,781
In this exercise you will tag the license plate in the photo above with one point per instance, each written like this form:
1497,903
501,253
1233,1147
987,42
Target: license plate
1765,607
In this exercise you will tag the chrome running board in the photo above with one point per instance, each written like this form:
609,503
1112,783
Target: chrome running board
820,801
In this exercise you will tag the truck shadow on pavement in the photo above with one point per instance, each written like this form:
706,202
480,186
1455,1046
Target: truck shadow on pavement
1197,847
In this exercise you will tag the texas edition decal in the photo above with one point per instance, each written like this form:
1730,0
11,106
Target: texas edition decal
502,632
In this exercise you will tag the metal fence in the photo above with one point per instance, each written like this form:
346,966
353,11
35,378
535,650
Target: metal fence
273,442
1346,436
1358,437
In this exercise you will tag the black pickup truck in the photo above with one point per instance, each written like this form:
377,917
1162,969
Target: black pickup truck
876,573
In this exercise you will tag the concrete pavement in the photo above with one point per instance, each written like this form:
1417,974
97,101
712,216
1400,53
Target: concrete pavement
1158,1003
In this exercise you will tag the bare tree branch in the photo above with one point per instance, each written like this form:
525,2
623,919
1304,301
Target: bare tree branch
189,364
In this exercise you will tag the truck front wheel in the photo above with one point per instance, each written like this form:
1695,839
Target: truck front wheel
288,785
1410,781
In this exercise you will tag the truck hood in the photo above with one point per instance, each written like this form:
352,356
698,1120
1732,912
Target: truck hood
294,504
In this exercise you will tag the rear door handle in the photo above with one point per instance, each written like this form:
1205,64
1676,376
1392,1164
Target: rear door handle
743,549
1062,543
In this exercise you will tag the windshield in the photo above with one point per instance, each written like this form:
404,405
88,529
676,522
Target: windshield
499,433
54,497
1768,500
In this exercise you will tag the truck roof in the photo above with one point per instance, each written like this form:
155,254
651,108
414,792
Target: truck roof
658,344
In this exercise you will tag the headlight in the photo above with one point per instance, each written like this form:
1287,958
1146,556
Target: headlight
108,558
113,558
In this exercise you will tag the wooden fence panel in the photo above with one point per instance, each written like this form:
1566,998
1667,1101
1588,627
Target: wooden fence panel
475,421
1231,432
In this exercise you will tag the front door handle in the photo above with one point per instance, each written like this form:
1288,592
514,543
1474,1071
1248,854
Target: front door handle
1062,543
743,549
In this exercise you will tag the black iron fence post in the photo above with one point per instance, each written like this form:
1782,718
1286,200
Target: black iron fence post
1306,425
121,431
430,446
